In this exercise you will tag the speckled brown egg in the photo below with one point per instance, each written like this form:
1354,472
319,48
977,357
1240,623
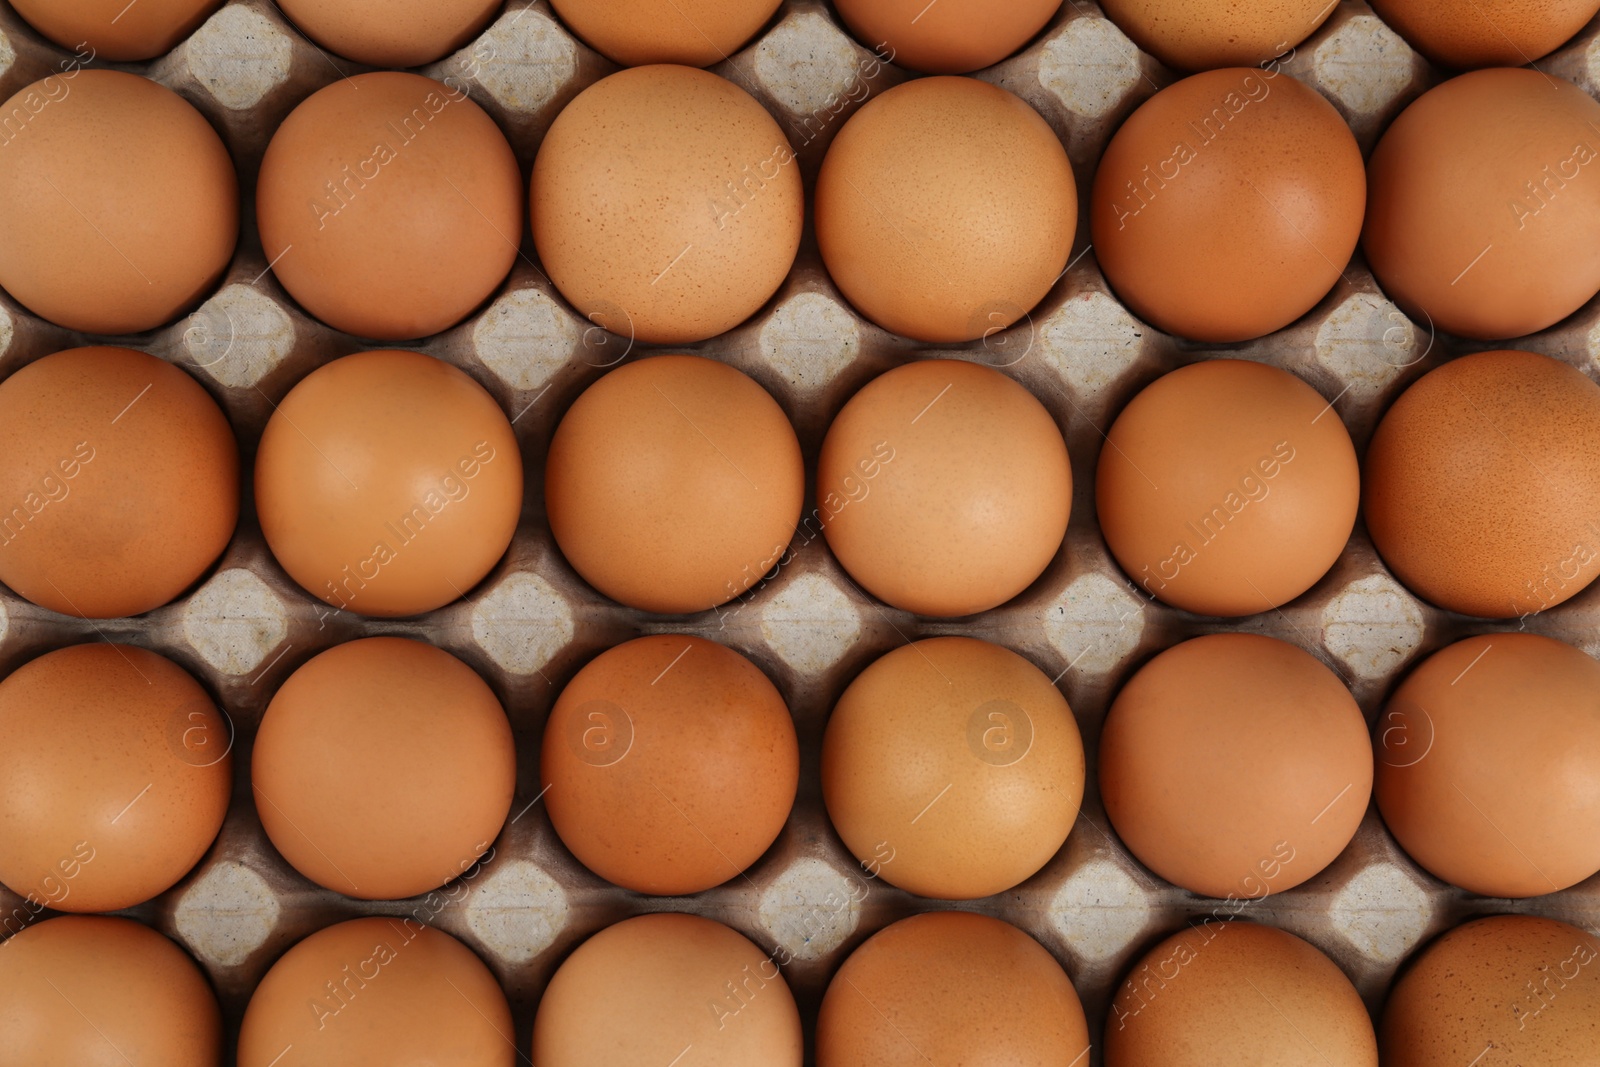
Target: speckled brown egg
1227,487
1227,205
1227,993
943,488
696,33
950,987
671,764
114,778
390,205
945,209
1481,489
1206,34
378,990
1466,33
952,768
656,988
666,204
1509,989
1480,218
118,201
948,37
674,484
91,989
115,29
1235,765
119,482
1478,747
399,33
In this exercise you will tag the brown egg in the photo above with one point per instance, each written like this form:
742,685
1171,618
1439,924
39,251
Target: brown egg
383,768
1481,489
946,209
654,987
950,37
1509,989
91,990
1227,487
952,768
696,33
114,777
1228,204
1206,34
1228,993
390,205
1464,33
119,482
666,205
1478,746
115,29
1235,765
944,488
671,764
388,483
378,990
1477,220
402,33
118,201
674,484
950,987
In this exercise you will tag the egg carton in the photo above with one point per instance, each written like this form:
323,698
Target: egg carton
533,623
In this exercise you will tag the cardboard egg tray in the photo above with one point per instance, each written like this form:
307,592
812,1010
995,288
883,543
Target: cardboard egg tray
533,623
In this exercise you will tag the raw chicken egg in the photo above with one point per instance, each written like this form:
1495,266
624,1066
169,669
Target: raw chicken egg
1467,33
696,33
116,29
948,37
397,33
1206,34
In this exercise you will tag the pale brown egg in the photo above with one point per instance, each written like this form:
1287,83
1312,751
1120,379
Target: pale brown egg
119,482
397,33
1509,989
954,987
947,37
660,987
944,488
114,778
383,768
670,764
1481,489
1477,748
1467,33
696,33
1227,487
1227,205
1206,34
945,209
116,29
92,990
952,768
666,204
674,484
1479,220
1227,993
378,990
390,205
388,483
1235,765
119,202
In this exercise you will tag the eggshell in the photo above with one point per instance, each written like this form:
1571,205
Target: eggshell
948,37
950,987
378,990
943,487
1228,993
666,204
1206,34
1465,33
1481,485
1235,765
119,482
1509,989
674,484
647,989
114,778
945,209
696,33
92,990
116,29
671,764
383,768
390,205
1227,205
952,768
118,201
1478,220
395,33
1227,487
388,483
1476,749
